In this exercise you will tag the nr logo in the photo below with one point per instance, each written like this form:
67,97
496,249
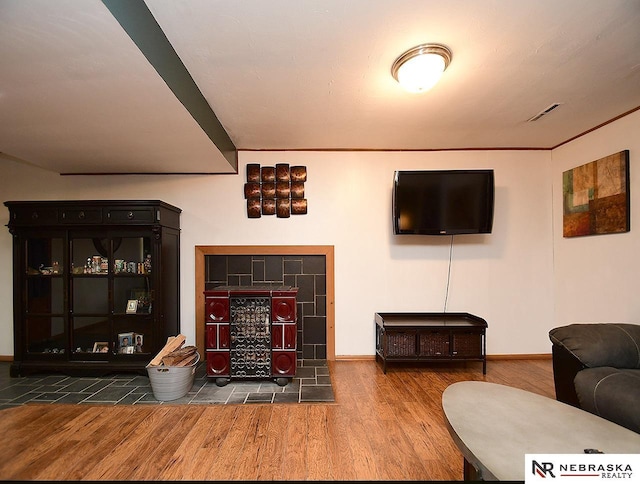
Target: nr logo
542,469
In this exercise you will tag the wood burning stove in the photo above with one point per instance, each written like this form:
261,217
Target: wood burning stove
251,333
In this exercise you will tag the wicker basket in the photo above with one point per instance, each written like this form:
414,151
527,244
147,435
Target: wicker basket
467,344
433,343
401,344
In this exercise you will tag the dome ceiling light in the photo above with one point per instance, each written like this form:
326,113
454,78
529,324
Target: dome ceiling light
420,68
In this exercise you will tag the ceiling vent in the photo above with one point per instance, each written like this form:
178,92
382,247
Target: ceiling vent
544,112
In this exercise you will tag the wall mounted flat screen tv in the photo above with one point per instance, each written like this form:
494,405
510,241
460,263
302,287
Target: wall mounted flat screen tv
443,202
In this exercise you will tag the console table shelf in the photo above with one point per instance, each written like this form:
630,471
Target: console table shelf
430,337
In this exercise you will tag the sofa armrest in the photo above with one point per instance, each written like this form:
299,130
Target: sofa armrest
600,344
565,368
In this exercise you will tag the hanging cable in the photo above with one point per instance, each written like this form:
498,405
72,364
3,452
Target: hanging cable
446,294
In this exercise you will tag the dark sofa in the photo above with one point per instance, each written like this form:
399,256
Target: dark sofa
596,367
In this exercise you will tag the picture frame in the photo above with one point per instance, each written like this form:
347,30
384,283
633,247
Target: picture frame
132,306
125,340
101,347
596,197
138,342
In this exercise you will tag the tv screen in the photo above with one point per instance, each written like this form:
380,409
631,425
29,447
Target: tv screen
443,202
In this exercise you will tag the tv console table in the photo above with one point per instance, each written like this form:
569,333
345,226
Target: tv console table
430,337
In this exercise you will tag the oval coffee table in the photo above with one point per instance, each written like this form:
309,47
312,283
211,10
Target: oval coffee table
494,426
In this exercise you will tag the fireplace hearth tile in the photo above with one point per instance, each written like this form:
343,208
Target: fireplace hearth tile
259,398
315,330
286,397
316,394
322,370
312,383
293,387
292,267
303,373
273,268
239,265
323,380
314,264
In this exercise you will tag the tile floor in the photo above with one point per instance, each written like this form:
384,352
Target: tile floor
311,384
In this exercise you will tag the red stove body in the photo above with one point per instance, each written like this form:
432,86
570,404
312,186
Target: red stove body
251,333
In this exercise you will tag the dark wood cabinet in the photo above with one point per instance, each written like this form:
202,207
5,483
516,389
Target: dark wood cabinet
434,337
251,333
95,284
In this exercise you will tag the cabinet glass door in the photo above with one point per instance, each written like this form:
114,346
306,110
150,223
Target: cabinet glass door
89,296
44,330
133,294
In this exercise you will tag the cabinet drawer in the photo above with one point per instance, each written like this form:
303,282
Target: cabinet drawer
81,216
34,216
131,216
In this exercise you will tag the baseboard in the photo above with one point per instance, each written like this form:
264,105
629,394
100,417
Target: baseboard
355,357
536,356
6,358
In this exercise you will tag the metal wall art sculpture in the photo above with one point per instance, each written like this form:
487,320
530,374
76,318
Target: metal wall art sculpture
275,190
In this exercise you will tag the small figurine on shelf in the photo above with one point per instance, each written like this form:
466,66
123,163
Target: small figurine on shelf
95,264
147,264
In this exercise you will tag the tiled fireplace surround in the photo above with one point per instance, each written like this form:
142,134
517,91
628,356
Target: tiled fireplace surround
306,272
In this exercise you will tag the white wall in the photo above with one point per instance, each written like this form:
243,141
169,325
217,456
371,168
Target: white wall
597,277
524,278
492,276
505,277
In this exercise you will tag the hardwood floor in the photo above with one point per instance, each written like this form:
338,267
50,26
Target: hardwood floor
381,427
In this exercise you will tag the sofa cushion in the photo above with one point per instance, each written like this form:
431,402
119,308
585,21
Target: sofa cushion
601,344
611,393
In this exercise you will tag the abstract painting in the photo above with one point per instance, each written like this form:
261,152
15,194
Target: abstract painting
596,197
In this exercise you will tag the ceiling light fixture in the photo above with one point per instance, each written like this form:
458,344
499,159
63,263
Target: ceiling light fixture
420,68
